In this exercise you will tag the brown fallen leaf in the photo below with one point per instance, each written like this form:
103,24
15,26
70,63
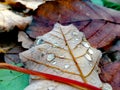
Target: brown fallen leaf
110,73
65,52
100,25
9,20
113,52
116,46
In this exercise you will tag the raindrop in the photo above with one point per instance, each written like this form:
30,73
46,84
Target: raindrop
85,44
90,51
39,41
91,64
67,66
54,62
62,56
87,56
76,39
50,57
55,45
74,33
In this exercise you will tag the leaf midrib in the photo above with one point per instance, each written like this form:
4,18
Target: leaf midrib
73,58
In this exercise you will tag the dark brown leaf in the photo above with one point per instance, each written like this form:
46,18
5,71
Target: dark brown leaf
100,25
116,46
110,73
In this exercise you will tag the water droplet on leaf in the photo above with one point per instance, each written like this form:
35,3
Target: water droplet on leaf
67,66
39,41
90,51
87,56
74,33
50,57
54,63
85,44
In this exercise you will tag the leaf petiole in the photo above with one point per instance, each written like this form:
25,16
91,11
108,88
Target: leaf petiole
77,84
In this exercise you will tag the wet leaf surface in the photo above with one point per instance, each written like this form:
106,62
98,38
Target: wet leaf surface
64,52
100,25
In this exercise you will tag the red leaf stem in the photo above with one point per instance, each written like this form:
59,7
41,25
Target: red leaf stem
77,84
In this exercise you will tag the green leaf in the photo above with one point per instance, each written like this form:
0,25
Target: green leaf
111,5
12,80
98,2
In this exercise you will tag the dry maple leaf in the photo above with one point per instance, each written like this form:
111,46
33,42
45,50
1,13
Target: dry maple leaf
9,20
64,52
100,25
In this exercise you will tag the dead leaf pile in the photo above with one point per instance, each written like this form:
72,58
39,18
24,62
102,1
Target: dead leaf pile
61,37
